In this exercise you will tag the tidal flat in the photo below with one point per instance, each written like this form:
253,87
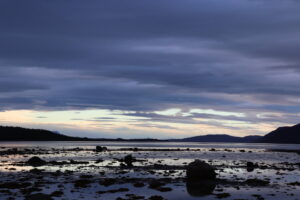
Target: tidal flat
147,171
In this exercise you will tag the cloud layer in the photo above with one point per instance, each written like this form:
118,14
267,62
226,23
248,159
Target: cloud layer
146,56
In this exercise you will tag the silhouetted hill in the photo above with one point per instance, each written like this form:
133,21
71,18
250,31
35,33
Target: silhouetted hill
24,134
219,138
290,135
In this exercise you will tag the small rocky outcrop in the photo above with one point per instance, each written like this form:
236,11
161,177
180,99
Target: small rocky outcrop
129,159
200,170
100,148
256,182
251,166
36,161
38,196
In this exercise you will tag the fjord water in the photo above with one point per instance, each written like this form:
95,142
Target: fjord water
280,168
88,144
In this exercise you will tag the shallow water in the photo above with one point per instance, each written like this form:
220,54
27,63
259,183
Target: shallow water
280,169
86,144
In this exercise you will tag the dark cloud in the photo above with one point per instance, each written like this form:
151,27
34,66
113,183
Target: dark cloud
148,55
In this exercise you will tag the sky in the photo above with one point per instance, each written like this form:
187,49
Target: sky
150,69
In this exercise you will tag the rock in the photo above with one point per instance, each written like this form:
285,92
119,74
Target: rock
38,196
36,161
107,182
129,160
257,182
156,198
156,184
251,166
15,185
139,184
258,196
99,160
74,162
57,193
28,191
134,197
36,171
294,183
222,195
200,170
164,189
86,176
82,183
100,148
135,149
114,191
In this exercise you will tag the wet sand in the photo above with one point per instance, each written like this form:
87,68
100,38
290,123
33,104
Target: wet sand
152,173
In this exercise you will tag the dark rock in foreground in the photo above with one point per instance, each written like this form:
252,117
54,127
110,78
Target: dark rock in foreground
222,195
156,198
251,166
257,182
100,148
36,161
38,196
200,170
15,185
129,160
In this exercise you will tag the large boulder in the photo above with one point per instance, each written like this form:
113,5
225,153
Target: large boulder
200,170
36,161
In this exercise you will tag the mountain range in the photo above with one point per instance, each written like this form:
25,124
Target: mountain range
289,135
283,135
219,138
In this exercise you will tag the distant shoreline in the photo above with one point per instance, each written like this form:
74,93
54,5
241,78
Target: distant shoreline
130,141
282,135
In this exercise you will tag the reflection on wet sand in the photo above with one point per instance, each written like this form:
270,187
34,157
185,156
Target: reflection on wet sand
152,173
200,188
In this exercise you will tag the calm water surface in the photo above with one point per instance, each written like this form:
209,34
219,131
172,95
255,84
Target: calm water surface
280,169
75,144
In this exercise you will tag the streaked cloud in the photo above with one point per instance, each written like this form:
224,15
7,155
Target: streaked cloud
150,67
